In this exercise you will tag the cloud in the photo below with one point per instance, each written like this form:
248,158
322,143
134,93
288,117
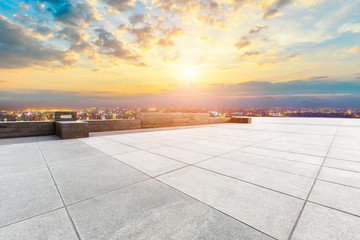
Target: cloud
354,28
354,49
112,47
20,50
77,38
298,93
257,29
137,19
144,37
170,35
242,43
296,87
120,5
248,54
70,14
292,57
273,9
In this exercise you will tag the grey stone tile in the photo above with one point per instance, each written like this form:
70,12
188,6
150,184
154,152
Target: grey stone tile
113,148
284,155
143,144
340,152
208,147
53,225
149,163
340,176
266,210
94,140
316,150
302,169
60,152
26,194
342,164
322,223
153,211
84,179
20,157
183,155
294,185
9,141
336,196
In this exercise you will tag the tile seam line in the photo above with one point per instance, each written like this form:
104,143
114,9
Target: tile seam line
267,168
312,187
186,164
34,216
57,188
155,178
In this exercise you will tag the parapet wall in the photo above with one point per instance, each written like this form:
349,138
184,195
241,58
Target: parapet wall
77,129
155,119
26,129
113,125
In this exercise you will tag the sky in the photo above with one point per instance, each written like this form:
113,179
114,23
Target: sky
187,53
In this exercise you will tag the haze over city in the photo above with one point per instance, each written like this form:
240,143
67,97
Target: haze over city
99,53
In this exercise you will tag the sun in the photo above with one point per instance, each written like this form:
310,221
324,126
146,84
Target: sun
189,72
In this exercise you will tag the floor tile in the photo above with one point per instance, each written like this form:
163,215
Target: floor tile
53,225
84,179
207,147
266,210
340,176
302,169
182,155
336,196
113,148
344,153
287,183
26,194
153,211
20,157
322,223
60,152
151,164
342,164
284,155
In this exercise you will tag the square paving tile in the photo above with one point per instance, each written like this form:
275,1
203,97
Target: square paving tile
336,196
340,176
322,223
113,148
151,210
291,184
84,179
26,194
64,151
340,152
151,164
53,225
298,157
182,155
302,169
20,157
342,164
271,212
309,149
208,147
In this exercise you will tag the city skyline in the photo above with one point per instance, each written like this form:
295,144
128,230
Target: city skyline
265,53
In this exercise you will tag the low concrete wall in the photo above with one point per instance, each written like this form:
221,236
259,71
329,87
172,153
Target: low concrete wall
26,129
113,125
153,120
220,120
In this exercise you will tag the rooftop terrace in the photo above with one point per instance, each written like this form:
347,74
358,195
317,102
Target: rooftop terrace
278,178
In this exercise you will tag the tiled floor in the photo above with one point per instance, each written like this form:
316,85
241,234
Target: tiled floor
278,178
